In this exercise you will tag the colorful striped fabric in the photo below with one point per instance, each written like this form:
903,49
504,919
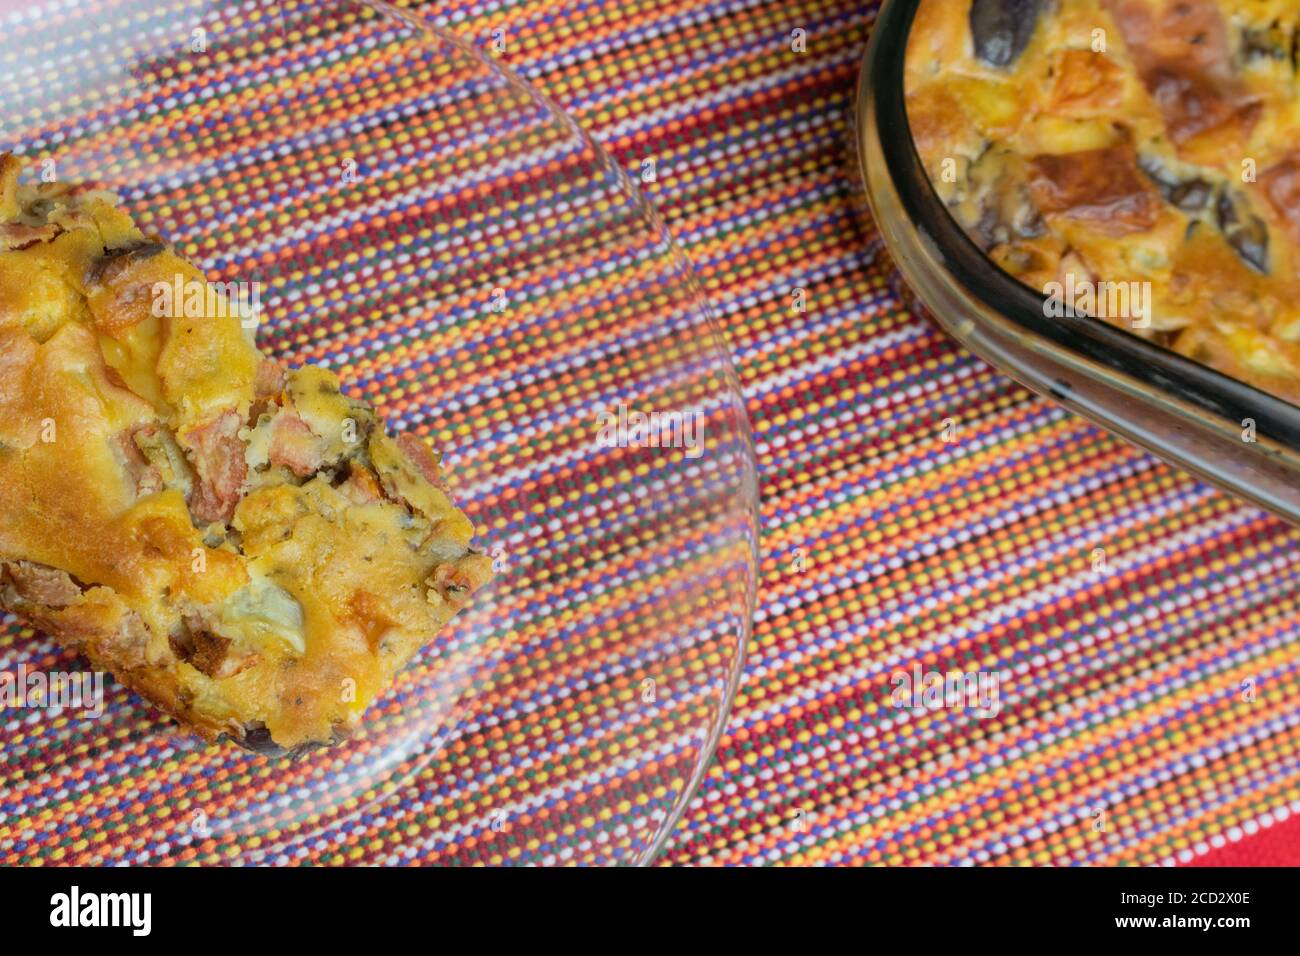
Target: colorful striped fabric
468,260
919,513
1124,735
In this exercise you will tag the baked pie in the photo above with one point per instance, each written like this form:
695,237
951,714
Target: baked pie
241,544
1145,147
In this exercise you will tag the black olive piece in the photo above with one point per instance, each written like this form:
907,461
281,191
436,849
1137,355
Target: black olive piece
1191,195
1251,243
257,739
1225,211
990,231
1002,29
1248,234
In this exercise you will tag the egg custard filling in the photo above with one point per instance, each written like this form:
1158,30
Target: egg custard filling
241,544
1142,154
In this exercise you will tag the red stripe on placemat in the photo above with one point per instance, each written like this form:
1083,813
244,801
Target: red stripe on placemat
1278,845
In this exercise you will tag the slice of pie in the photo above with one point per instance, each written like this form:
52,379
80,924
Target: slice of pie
242,545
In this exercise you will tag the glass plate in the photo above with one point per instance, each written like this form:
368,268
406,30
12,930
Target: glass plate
447,240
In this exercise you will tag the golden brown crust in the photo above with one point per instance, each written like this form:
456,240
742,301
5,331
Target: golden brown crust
242,545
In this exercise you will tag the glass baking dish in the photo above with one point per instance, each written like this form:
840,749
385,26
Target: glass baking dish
1227,432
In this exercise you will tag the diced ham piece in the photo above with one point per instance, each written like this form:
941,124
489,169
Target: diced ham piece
1102,186
17,235
295,446
1282,187
41,584
217,455
270,379
419,455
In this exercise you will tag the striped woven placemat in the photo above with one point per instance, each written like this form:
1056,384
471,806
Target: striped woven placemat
1143,626
922,515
